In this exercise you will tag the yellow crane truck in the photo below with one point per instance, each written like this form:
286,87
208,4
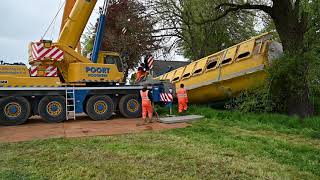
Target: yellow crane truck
61,82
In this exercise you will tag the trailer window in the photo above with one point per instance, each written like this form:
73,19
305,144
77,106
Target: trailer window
186,75
197,71
212,65
226,61
243,55
176,79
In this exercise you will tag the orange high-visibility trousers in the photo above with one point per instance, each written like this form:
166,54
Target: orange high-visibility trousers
182,99
147,109
183,105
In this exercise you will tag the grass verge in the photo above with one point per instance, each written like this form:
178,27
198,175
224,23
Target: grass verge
226,145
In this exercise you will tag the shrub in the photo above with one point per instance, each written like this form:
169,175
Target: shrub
255,100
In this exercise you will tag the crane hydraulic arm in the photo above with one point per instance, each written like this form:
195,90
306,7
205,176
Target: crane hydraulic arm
66,12
75,24
69,4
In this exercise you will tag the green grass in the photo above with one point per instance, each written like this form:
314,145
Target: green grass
226,145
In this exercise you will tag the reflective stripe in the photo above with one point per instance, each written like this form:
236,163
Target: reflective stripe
144,95
182,93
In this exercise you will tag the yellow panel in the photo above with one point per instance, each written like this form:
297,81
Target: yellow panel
170,75
164,77
188,71
178,74
10,81
226,89
87,72
215,58
245,48
239,66
12,70
200,66
231,53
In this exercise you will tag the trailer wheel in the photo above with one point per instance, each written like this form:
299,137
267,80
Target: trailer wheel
14,110
130,106
99,108
52,109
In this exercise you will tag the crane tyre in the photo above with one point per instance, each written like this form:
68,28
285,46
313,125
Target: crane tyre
100,108
130,106
14,110
52,109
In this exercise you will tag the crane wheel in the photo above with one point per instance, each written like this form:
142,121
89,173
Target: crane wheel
130,106
14,110
52,109
100,108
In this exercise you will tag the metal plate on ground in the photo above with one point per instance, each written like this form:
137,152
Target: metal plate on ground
180,119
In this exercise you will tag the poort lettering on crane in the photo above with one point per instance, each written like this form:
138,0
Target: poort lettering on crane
97,71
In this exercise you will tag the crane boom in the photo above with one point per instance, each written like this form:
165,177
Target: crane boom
66,13
75,24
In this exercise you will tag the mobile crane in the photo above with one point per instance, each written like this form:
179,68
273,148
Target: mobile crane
61,82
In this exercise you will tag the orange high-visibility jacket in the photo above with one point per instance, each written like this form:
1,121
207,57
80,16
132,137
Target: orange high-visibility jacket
182,94
145,95
139,75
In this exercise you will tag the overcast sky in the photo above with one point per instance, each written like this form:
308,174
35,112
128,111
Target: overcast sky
23,21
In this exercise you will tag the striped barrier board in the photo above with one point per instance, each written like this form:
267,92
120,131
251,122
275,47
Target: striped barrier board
40,52
33,71
51,71
166,97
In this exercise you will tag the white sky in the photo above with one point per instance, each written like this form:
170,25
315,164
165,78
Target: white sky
24,21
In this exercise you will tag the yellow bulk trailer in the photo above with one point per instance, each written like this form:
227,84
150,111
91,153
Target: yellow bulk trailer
226,73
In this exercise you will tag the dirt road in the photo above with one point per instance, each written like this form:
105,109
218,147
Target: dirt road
83,126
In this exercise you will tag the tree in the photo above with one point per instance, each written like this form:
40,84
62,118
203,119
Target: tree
177,20
129,31
292,21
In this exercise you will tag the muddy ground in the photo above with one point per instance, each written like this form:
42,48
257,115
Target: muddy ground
34,129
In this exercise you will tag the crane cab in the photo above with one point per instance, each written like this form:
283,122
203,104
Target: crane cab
108,57
108,69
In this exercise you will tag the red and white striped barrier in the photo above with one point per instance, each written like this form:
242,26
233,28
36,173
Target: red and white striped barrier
51,71
33,71
150,62
166,97
39,52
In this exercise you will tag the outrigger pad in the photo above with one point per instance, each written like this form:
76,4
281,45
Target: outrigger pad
180,119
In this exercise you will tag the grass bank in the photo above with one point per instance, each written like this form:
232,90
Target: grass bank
228,145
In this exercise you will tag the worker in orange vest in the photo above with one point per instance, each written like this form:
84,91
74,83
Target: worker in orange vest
140,74
147,109
182,98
